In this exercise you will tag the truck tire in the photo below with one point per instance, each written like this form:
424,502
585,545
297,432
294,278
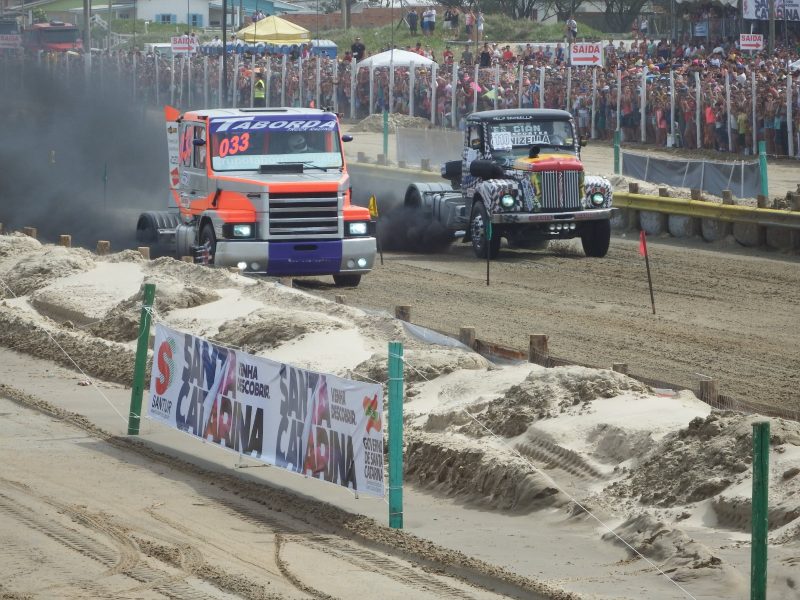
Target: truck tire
208,244
596,237
346,280
477,227
147,229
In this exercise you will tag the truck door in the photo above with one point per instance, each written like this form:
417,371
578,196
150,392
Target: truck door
193,176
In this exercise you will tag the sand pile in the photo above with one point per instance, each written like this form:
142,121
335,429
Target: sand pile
707,457
477,474
374,123
266,329
28,266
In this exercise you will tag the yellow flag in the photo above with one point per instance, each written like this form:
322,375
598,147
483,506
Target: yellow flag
373,207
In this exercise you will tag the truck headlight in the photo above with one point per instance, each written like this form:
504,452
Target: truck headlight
507,201
598,199
242,230
357,228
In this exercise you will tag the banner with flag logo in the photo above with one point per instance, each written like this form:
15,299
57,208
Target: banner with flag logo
310,423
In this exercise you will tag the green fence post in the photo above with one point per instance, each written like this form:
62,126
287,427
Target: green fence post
760,525
396,435
137,389
386,136
616,151
762,166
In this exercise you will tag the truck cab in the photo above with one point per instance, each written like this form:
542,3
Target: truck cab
54,36
264,190
520,177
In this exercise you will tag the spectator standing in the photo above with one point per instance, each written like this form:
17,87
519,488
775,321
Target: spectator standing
467,58
571,29
480,20
486,57
469,22
358,49
412,18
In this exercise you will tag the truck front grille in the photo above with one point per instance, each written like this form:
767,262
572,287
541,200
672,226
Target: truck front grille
304,215
561,190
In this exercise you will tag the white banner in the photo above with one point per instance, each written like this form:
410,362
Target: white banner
183,43
759,9
10,40
309,423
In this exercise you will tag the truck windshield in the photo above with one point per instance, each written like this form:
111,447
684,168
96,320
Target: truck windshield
246,143
515,138
59,36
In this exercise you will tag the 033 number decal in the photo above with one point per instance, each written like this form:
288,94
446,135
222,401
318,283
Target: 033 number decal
234,145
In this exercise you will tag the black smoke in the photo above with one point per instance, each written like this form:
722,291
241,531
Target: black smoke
409,229
78,160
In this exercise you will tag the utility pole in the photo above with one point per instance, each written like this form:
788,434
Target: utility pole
87,33
225,51
771,27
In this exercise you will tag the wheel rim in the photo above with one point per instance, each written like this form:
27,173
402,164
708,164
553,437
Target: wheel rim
478,231
207,252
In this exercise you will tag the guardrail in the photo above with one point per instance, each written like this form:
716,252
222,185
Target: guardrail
766,217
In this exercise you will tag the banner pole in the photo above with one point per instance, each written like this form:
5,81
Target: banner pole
137,389
396,435
616,151
760,512
762,165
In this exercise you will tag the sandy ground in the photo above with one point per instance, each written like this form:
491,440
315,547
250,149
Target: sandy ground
501,462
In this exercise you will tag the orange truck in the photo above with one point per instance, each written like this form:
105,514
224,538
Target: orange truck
265,190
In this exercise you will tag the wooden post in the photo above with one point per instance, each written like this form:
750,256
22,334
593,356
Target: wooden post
144,251
103,247
287,281
1,229
187,259
361,157
620,368
341,299
425,164
467,336
633,187
403,312
233,270
761,201
537,349
794,201
402,164
708,391
695,194
381,159
65,240
29,231
663,192
727,197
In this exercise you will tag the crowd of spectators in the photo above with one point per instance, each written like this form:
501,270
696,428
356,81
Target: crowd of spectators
697,94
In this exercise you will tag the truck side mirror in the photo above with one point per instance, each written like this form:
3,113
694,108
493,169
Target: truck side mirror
582,142
347,137
198,142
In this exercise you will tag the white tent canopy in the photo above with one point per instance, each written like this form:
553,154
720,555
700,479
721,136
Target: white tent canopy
402,58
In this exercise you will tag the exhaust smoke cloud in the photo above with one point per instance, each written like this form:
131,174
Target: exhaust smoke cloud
79,162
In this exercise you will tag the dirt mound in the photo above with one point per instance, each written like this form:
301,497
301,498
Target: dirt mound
96,357
198,275
30,273
265,329
477,474
374,123
614,445
125,256
671,549
421,364
546,395
121,324
701,460
17,243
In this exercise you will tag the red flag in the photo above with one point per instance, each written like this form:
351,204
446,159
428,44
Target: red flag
642,243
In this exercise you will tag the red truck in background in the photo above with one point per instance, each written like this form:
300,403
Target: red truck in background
265,190
54,36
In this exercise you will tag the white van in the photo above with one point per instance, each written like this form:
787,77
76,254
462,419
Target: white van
162,49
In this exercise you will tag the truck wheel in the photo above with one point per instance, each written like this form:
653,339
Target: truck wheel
146,232
208,244
596,237
477,227
346,280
